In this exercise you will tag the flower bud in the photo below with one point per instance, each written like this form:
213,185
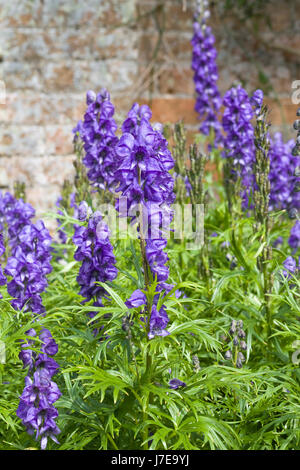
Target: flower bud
239,363
293,213
83,210
233,265
90,97
241,333
232,328
243,345
241,357
235,341
228,355
297,124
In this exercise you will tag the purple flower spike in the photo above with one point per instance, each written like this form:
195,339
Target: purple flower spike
36,408
205,69
95,253
97,132
28,267
282,177
239,141
144,180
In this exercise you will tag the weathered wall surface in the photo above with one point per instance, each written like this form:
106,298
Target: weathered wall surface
53,51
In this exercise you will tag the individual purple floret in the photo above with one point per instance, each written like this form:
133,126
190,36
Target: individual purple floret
27,355
158,322
97,132
28,267
208,102
36,408
239,141
176,383
137,299
83,211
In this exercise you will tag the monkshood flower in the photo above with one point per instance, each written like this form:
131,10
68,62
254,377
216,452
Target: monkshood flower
294,239
83,211
19,218
97,132
28,268
14,215
176,383
137,299
158,319
36,408
208,101
282,174
239,141
95,253
144,180
290,266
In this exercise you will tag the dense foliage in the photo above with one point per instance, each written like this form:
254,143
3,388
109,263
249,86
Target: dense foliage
158,344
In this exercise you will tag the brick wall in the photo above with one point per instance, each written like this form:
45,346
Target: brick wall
52,51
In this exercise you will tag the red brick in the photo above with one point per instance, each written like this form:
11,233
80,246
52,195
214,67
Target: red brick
283,111
61,77
59,140
174,109
173,47
177,18
176,80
